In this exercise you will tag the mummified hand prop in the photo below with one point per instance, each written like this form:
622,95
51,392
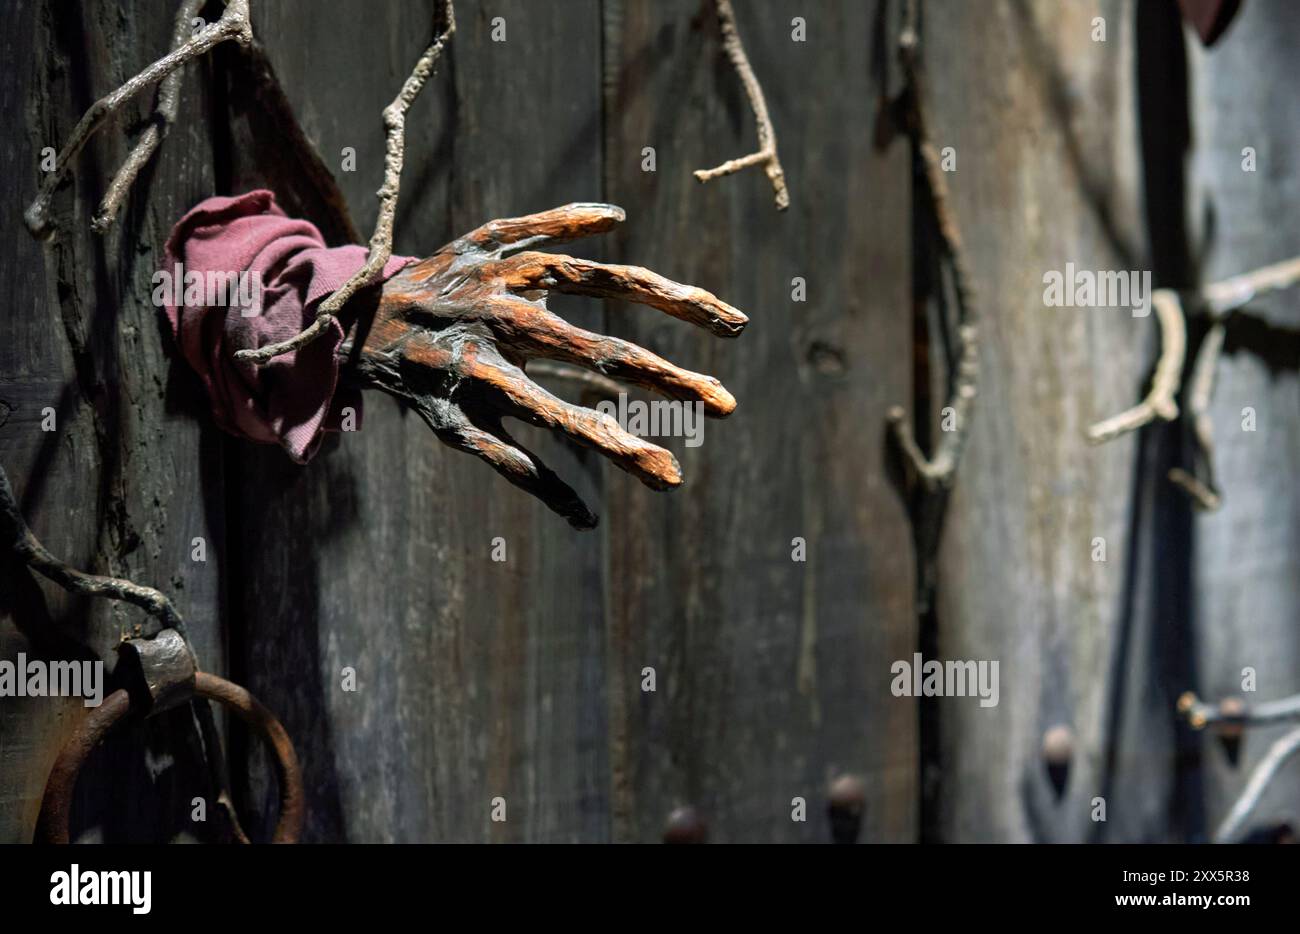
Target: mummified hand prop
451,336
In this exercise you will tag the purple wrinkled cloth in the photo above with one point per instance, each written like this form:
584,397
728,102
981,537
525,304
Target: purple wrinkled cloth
295,398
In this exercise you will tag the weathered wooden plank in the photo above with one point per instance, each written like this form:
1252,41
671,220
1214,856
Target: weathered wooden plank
131,475
1040,115
1247,555
772,674
477,678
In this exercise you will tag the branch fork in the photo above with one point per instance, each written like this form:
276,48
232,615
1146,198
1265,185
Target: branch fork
1219,302
766,155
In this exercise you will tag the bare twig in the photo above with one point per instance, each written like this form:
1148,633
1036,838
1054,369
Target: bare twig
1232,713
1202,489
164,116
1278,754
1223,298
766,155
233,24
381,241
15,534
940,470
1218,301
1159,402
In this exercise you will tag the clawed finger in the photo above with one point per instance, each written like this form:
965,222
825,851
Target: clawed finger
536,332
520,397
567,222
632,283
514,462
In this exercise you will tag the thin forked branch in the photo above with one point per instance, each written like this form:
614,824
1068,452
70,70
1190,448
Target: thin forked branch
1230,717
1201,487
164,116
18,538
1159,402
1223,298
766,155
1276,757
1219,301
939,471
1231,713
233,24
381,241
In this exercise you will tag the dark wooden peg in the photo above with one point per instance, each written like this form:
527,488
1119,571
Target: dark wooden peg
846,805
1058,750
685,826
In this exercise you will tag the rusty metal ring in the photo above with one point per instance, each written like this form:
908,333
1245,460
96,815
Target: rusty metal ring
56,808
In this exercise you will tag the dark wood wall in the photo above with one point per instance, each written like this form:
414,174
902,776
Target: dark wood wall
523,679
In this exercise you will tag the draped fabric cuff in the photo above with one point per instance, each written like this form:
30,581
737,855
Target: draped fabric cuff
240,274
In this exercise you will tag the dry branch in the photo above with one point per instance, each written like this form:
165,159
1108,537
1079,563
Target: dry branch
766,155
1200,715
233,24
1219,301
1230,717
381,241
1159,402
1202,489
1276,757
939,471
164,116
1223,298
15,535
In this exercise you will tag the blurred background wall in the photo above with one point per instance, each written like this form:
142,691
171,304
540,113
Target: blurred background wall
523,679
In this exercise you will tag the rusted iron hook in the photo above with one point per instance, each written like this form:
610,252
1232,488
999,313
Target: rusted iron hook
56,808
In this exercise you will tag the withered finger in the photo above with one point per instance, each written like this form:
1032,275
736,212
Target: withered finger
516,463
567,222
560,273
521,398
536,332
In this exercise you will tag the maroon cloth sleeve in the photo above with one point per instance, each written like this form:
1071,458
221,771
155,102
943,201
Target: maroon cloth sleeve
240,274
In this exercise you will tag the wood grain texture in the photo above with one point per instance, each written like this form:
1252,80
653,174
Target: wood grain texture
1042,123
1246,556
482,678
523,678
476,678
773,675
132,474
